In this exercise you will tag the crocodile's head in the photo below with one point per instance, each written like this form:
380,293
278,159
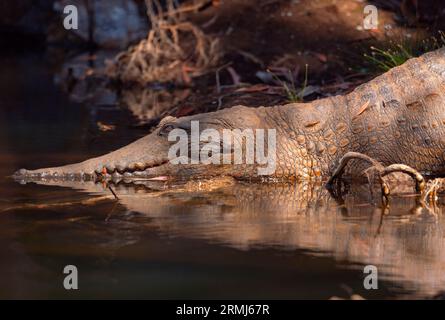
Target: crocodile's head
151,156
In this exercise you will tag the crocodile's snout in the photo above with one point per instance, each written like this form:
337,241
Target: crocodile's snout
146,157
104,172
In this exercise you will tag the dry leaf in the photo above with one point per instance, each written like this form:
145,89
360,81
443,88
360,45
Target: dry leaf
105,127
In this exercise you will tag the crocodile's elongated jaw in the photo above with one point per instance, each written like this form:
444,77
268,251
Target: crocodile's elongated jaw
146,157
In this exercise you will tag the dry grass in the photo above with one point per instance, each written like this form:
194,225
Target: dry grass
174,51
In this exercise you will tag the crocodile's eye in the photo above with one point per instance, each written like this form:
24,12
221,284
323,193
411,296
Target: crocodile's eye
166,129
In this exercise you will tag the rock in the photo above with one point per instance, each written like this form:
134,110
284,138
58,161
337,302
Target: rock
116,22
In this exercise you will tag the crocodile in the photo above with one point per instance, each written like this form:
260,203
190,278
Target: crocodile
395,123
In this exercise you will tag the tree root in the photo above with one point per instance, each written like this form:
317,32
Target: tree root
174,50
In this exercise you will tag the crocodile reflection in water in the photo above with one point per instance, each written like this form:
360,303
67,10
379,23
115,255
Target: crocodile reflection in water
405,241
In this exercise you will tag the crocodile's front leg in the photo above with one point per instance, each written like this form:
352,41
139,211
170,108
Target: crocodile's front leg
381,171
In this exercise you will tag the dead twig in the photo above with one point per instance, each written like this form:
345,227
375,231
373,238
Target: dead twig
112,191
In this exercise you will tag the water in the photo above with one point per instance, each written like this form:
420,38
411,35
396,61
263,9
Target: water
190,240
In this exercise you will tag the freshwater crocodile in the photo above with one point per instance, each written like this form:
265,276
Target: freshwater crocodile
396,122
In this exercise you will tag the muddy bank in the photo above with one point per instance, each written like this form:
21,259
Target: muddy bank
323,42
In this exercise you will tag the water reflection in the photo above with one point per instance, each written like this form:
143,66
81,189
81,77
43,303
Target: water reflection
148,104
406,240
84,79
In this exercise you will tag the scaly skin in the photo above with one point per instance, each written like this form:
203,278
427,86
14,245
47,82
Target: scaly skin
398,117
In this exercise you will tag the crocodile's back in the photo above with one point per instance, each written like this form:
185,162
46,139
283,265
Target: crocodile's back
399,117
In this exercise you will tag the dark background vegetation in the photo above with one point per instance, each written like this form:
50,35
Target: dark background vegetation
269,52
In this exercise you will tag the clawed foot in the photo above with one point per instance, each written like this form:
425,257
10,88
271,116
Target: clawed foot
376,172
431,190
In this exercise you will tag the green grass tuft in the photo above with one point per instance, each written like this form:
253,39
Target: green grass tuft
293,93
395,54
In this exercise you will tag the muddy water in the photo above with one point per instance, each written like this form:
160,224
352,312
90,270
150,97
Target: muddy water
156,241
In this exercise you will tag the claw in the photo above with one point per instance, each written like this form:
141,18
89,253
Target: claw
431,190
